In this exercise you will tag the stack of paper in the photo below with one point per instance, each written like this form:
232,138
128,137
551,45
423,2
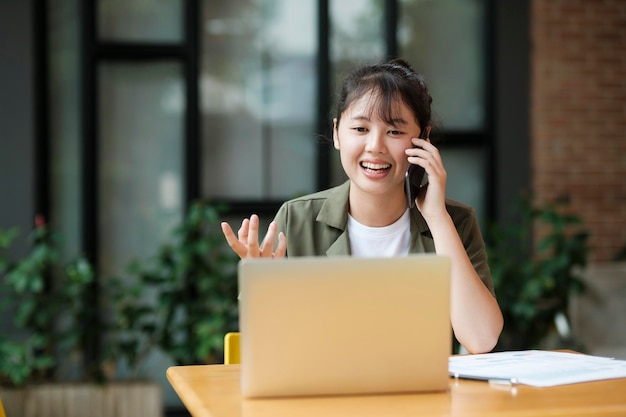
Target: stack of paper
535,367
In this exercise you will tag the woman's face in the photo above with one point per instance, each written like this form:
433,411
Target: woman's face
373,151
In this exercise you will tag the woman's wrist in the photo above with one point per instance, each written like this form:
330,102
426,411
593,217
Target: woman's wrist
438,222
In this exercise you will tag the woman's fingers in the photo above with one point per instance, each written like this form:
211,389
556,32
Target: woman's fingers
253,237
281,249
428,157
242,233
239,248
267,247
246,242
431,198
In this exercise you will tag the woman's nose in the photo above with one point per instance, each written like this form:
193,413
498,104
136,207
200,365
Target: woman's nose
375,142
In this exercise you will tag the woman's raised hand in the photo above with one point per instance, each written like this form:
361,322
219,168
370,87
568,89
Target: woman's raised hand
246,243
431,200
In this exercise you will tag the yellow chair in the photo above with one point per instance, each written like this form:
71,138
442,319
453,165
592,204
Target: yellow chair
231,348
1,409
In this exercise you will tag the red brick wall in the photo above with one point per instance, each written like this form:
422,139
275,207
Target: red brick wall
578,113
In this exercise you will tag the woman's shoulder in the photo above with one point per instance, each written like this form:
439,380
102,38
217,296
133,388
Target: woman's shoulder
320,197
458,205
329,207
317,196
459,211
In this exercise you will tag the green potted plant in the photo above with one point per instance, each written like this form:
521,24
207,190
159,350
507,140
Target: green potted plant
52,311
537,265
184,299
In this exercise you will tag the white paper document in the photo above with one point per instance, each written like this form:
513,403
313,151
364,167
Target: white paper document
536,367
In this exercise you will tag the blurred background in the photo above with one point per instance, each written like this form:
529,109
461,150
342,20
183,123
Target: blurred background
117,115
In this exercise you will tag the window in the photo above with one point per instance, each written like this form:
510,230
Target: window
258,92
446,41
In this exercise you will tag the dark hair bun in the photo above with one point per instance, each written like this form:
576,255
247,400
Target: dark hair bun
399,62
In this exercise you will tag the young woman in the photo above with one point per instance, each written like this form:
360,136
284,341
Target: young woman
381,126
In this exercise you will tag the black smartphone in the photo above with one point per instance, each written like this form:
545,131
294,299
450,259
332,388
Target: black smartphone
414,177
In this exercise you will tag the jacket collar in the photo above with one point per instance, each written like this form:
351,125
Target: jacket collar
334,213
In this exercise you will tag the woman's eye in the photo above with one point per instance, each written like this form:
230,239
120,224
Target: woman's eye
396,133
360,129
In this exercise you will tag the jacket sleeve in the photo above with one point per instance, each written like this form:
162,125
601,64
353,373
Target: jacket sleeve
281,221
472,239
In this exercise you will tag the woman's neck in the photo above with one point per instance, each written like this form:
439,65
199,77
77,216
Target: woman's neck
376,210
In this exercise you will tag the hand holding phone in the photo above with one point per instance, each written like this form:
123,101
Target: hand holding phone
414,177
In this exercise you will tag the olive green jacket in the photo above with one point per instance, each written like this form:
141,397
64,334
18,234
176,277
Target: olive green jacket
315,225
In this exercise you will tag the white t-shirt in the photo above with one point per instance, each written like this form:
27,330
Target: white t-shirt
387,241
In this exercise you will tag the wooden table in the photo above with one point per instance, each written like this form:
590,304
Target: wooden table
213,390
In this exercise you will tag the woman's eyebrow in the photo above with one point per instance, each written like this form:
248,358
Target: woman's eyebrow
394,122
398,121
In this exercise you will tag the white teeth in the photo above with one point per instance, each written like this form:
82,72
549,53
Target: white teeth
376,167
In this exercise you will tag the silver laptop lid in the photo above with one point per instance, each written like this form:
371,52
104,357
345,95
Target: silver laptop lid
343,325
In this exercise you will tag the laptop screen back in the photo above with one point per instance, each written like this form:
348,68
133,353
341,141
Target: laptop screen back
343,325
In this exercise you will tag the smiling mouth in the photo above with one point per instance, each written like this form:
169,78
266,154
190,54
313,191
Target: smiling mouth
377,168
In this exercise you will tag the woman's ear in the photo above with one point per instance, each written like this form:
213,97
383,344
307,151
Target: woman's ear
335,134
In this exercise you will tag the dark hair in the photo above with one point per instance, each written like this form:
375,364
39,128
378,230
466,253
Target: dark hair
392,80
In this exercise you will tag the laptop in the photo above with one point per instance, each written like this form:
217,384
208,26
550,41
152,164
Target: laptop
344,325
